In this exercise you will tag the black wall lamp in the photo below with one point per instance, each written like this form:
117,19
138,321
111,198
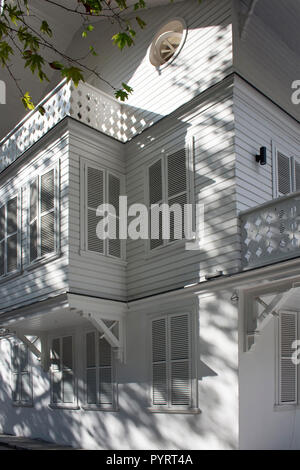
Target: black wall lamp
262,157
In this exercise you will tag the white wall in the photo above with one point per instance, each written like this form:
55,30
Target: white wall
44,279
91,273
205,59
133,426
210,122
259,122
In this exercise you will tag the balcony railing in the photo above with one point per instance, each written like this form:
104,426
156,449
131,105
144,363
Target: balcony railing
85,103
271,232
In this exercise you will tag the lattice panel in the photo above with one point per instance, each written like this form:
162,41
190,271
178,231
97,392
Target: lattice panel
271,234
84,103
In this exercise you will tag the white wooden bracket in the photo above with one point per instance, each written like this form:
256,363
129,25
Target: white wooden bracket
270,310
30,344
106,328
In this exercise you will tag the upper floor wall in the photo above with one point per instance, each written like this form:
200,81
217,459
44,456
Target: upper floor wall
204,59
266,48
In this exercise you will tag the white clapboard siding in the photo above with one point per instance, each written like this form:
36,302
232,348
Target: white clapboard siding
265,60
214,185
258,122
45,279
287,368
205,59
93,273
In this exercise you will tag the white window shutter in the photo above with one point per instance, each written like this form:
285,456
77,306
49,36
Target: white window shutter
48,213
177,191
105,373
287,369
180,360
91,371
33,220
284,178
114,192
155,181
95,197
297,175
159,362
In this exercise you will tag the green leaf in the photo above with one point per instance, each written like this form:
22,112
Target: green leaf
92,51
122,39
5,52
140,22
73,73
45,28
27,101
127,87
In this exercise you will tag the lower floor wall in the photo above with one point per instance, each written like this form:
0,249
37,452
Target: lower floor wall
134,423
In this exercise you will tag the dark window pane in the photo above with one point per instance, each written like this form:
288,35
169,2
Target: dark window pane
33,200
67,352
2,222
33,241
12,253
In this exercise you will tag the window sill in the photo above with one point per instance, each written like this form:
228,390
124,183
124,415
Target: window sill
63,407
192,411
41,261
105,259
22,405
164,249
8,277
286,407
99,408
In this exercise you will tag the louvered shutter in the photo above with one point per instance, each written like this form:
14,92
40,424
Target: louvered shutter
33,220
91,371
105,373
159,362
297,175
25,380
284,174
156,197
95,197
114,192
15,362
180,360
56,370
67,370
288,370
48,212
2,240
12,235
177,192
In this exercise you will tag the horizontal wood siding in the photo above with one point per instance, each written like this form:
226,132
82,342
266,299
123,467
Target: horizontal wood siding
264,59
211,125
258,122
205,58
44,280
91,273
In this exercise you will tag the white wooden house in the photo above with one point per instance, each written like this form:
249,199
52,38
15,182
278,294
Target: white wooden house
143,344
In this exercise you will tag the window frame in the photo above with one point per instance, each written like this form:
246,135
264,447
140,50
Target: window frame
189,160
60,335
7,274
193,369
98,406
56,210
20,403
84,165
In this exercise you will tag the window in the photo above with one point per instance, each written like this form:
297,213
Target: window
171,362
167,42
9,237
21,375
102,187
288,371
43,215
100,389
287,174
168,184
62,371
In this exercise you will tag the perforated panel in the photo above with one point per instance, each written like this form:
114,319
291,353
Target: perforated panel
288,370
284,174
177,173
47,191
